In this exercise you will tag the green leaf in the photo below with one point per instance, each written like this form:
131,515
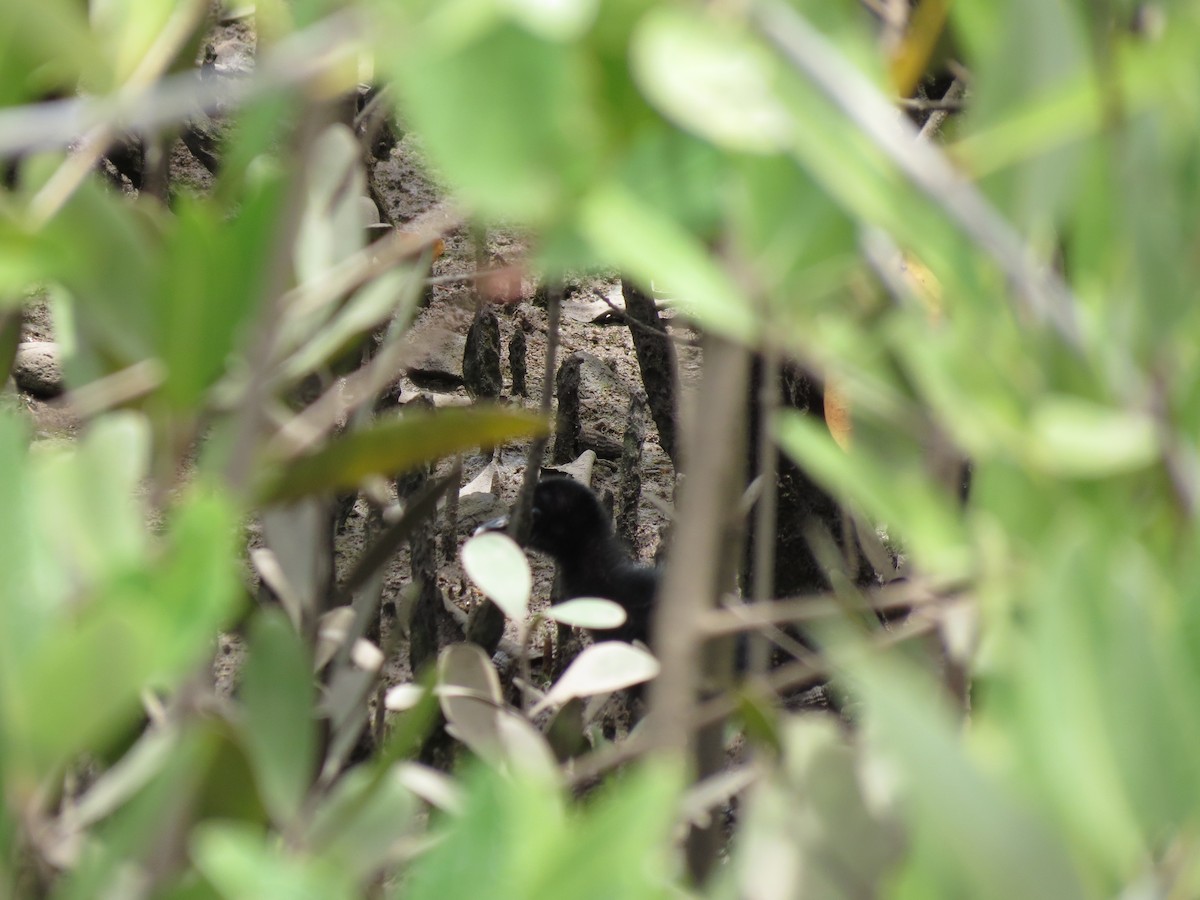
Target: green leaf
89,512
554,20
391,294
620,845
607,666
331,226
44,47
651,248
498,567
711,78
113,305
279,729
838,845
361,824
128,30
989,843
242,866
211,288
588,612
1074,437
146,627
398,445
529,101
1054,45
903,496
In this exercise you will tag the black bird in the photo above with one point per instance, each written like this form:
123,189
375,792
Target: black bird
570,525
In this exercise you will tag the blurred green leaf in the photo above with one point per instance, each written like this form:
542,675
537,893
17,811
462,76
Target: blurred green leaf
44,47
128,29
515,839
389,295
397,445
905,496
528,100
989,842
146,626
651,248
809,831
89,512
711,78
1076,438
211,288
362,823
113,304
242,866
332,225
279,727
1054,45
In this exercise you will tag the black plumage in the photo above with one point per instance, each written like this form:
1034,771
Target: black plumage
570,525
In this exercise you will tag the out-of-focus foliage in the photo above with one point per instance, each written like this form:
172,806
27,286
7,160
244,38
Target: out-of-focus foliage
747,159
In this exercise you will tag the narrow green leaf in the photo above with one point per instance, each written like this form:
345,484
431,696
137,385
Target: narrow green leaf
279,729
396,446
905,495
369,306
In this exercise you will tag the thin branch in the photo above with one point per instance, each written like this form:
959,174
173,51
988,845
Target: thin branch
695,564
786,678
295,60
739,617
952,102
923,104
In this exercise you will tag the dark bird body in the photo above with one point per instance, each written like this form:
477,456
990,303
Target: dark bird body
570,525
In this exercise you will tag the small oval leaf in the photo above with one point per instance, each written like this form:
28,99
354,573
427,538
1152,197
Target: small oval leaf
402,697
588,612
607,666
366,656
466,666
496,565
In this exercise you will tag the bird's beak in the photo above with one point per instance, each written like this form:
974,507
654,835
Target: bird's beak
498,524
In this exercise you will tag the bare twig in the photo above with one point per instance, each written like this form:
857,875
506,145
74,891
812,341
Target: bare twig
692,578
924,104
295,60
122,386
739,617
951,102
786,678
